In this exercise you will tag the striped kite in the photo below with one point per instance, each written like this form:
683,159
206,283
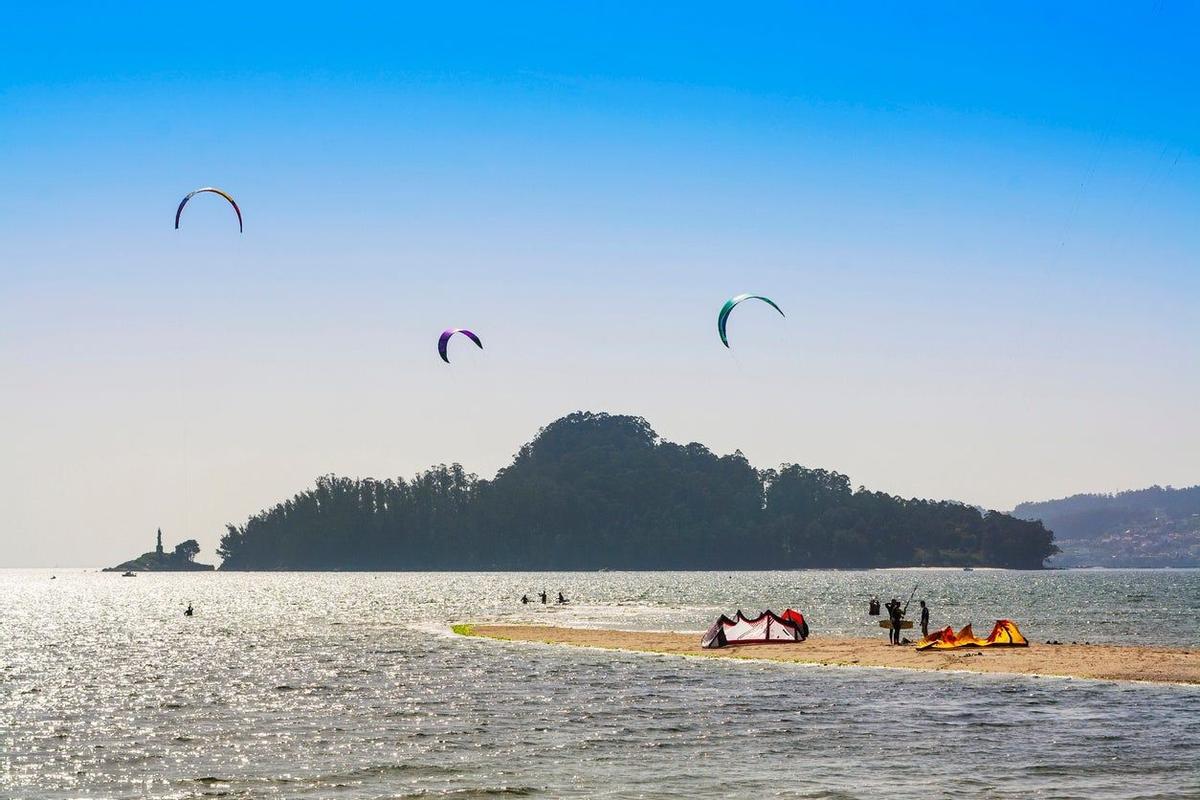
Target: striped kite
214,190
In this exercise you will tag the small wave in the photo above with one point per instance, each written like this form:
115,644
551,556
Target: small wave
368,773
500,791
385,770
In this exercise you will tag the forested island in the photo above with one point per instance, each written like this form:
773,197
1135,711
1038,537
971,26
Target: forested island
181,559
601,491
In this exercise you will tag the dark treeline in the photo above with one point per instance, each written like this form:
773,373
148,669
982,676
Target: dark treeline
598,491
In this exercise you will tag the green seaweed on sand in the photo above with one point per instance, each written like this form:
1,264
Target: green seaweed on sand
463,629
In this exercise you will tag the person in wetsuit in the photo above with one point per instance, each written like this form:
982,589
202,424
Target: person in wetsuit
561,599
873,606
895,615
542,594
188,611
924,620
524,599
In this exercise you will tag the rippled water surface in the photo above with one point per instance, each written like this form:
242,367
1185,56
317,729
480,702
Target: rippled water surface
350,686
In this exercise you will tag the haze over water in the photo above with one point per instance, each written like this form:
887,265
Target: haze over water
350,686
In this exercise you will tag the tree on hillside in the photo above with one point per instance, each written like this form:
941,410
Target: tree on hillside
187,550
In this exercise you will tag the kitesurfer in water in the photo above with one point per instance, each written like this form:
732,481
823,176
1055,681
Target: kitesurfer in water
542,594
924,620
524,599
188,611
873,606
561,599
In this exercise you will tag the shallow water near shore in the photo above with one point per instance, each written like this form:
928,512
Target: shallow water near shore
350,686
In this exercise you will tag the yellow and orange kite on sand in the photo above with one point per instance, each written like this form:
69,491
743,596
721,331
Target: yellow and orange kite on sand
1004,634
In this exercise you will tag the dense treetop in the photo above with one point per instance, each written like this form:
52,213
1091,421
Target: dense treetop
596,490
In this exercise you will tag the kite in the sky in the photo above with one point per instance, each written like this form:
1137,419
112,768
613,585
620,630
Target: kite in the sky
444,339
723,317
214,190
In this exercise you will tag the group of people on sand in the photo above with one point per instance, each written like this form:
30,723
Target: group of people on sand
544,598
895,611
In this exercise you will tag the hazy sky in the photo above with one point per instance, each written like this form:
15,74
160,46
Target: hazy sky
984,226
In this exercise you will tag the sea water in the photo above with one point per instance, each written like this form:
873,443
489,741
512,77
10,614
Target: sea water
351,686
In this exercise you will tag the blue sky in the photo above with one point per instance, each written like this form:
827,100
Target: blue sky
982,226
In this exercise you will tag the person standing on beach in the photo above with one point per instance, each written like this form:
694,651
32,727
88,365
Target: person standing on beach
924,620
895,614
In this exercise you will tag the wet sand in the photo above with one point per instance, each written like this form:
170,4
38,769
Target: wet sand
1093,661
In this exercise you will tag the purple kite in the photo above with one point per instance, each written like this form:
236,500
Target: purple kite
444,339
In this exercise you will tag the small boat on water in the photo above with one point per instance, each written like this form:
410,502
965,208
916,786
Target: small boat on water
129,575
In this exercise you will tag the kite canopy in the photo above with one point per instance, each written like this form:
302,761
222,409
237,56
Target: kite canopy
1005,633
444,339
767,628
797,619
214,190
731,303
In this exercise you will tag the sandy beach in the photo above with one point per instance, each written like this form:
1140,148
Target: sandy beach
1093,661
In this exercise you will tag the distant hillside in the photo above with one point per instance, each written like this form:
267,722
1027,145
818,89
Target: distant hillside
598,491
1155,527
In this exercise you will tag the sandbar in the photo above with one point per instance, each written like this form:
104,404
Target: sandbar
1091,661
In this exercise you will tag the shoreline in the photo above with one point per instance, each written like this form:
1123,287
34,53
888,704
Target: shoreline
1128,663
